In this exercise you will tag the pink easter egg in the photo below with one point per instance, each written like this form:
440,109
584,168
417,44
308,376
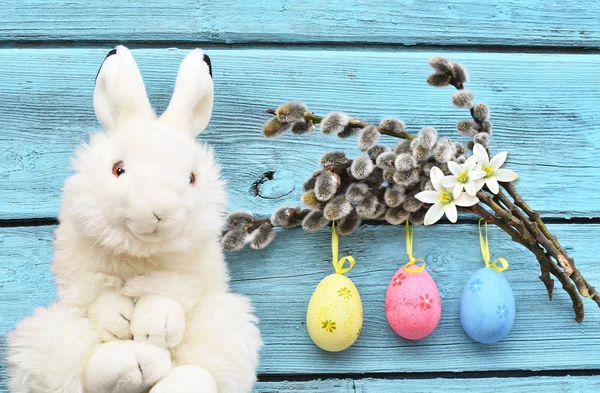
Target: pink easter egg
412,304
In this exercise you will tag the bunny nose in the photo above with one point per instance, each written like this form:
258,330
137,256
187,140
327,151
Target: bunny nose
159,218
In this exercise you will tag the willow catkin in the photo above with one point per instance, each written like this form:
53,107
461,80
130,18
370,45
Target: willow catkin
334,123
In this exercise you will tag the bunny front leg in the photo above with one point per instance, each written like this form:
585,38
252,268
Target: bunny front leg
158,320
112,313
125,367
186,379
164,297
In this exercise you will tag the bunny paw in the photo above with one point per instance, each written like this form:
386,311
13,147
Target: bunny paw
125,367
186,379
158,320
112,313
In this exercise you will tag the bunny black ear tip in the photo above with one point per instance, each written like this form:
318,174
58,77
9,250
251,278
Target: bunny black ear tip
207,61
112,52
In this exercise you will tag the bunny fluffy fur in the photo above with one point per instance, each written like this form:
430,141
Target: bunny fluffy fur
143,297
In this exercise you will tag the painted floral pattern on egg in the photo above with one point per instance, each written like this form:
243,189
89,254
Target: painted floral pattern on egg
400,277
475,285
413,305
329,326
344,292
502,311
426,301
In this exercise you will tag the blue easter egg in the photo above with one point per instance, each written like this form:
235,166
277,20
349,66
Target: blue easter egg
487,307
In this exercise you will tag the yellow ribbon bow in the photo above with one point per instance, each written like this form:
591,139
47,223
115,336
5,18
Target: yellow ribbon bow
499,264
338,265
409,247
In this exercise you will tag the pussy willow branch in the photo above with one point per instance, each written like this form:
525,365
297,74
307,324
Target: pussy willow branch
257,222
521,223
355,123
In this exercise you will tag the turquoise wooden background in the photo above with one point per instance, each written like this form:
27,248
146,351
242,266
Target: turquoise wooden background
535,64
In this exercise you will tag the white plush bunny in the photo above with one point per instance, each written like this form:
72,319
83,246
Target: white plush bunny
144,303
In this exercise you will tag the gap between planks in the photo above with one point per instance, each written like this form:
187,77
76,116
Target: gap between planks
323,45
49,221
430,375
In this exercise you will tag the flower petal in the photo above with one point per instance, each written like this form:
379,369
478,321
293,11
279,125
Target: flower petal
451,213
470,163
479,183
498,159
454,167
427,196
434,214
449,182
492,184
437,176
476,174
466,200
505,175
457,190
470,188
481,154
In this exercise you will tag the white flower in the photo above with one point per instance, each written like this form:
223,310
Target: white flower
464,176
443,199
493,172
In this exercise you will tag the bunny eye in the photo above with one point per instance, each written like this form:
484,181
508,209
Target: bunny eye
118,169
192,179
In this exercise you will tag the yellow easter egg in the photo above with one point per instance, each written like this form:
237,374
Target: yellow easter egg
335,315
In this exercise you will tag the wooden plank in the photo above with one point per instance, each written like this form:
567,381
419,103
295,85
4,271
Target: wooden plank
318,386
568,384
454,22
553,134
476,385
545,335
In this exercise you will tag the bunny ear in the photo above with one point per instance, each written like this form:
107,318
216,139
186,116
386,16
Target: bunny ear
120,94
191,105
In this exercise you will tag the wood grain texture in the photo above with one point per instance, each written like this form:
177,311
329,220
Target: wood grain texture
479,385
471,385
446,385
405,22
281,278
545,109
567,384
